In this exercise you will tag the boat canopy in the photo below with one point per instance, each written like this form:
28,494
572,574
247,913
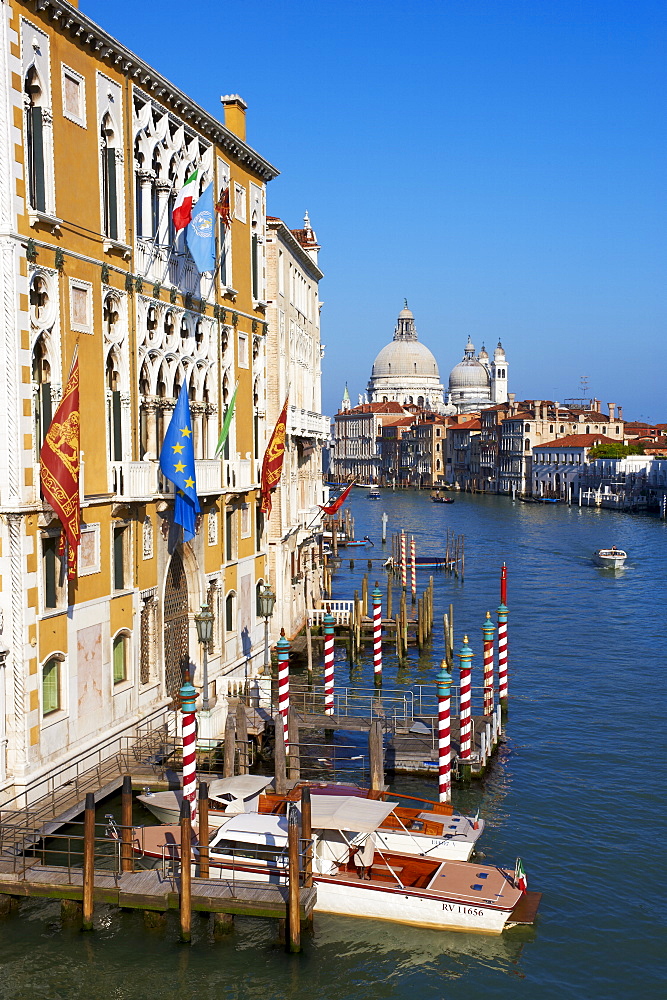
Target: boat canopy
254,828
345,812
241,786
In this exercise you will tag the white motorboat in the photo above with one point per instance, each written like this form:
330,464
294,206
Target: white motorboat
446,895
612,558
228,796
425,830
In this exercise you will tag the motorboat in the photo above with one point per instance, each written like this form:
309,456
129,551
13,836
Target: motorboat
423,828
612,558
227,798
374,494
352,543
421,562
429,892
438,498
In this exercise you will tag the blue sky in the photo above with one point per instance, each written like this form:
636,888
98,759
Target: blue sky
500,164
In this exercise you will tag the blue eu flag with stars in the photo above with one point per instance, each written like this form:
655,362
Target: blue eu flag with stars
177,461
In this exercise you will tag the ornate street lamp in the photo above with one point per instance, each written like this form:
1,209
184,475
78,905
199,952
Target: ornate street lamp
204,623
266,600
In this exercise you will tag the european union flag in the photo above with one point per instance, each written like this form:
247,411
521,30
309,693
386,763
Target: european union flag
200,234
177,461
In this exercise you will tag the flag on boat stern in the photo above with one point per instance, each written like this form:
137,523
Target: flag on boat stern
226,423
520,878
185,198
200,235
177,461
272,466
338,502
59,466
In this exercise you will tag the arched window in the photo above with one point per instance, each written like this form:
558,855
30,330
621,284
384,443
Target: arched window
562,429
41,378
588,429
36,188
254,251
114,426
526,446
52,685
258,591
526,428
109,186
120,657
230,616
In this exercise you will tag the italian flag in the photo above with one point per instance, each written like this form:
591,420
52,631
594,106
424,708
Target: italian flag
182,213
520,879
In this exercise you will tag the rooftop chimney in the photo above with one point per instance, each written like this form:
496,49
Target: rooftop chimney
612,410
620,413
235,109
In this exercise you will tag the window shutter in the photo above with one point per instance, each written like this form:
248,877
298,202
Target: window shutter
37,144
111,194
117,444
255,269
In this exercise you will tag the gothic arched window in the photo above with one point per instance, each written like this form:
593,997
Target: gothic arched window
41,378
34,141
109,187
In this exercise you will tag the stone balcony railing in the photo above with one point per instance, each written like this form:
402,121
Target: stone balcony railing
305,423
158,264
143,480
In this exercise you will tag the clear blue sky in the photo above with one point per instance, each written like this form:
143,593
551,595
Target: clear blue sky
501,164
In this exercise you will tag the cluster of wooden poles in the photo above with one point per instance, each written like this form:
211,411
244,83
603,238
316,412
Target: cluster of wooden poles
404,557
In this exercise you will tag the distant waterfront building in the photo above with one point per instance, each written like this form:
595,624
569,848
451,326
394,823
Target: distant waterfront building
405,371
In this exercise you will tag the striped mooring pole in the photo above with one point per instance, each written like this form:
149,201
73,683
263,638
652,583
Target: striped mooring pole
502,656
328,663
488,628
283,648
188,696
444,683
377,635
404,566
465,655
413,568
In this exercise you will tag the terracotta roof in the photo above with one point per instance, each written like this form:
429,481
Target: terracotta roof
576,441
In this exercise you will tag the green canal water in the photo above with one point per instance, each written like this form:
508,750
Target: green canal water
576,791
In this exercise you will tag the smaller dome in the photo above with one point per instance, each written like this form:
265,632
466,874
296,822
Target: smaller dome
406,314
483,356
499,353
469,374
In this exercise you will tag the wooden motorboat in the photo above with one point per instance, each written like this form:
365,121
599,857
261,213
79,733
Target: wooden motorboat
612,558
447,895
424,828
440,499
421,562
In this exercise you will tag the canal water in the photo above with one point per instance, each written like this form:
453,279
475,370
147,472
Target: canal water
576,791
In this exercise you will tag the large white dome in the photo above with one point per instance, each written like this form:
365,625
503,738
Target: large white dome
405,357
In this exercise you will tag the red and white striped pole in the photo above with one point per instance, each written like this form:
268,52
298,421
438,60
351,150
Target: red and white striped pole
413,568
502,641
444,683
502,657
377,635
189,721
328,663
283,648
404,567
488,628
465,655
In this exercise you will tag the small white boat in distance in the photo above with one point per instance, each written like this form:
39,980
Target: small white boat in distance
612,558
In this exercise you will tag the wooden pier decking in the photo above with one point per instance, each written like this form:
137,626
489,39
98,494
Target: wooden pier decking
149,889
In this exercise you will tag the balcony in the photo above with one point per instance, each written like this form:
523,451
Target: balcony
134,480
241,475
158,264
305,423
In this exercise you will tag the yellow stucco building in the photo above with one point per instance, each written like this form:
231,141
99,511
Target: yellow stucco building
94,147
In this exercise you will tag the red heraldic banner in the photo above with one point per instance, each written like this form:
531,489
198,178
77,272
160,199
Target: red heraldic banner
59,466
272,466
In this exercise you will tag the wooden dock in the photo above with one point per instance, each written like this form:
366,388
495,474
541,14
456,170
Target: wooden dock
149,889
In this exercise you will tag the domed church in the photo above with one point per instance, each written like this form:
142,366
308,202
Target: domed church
477,382
405,371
